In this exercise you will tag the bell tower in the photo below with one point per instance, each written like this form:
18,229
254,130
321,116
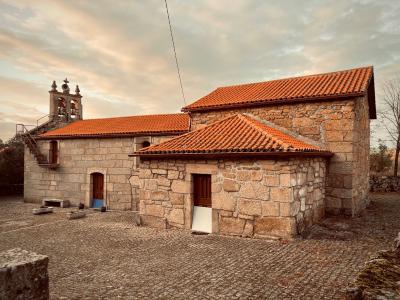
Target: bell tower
64,106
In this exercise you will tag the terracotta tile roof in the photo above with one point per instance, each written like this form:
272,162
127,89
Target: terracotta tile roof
352,82
237,133
134,125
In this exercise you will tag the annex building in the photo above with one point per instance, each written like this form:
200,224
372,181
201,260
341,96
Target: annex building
260,159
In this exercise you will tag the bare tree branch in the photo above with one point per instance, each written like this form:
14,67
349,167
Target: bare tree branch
391,114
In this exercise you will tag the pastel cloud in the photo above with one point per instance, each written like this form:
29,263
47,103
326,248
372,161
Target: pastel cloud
120,54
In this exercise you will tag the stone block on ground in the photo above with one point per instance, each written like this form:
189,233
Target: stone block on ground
76,215
136,218
23,275
42,210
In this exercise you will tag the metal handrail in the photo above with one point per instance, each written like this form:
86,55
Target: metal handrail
37,121
22,128
25,131
30,141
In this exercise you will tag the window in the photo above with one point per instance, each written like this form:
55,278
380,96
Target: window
145,144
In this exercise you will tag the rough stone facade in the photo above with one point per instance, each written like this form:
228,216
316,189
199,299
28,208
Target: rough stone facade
23,275
342,125
249,197
78,159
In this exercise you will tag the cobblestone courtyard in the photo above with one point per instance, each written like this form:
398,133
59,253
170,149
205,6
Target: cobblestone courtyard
104,256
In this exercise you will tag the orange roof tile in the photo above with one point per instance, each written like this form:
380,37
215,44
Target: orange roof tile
237,133
134,125
352,82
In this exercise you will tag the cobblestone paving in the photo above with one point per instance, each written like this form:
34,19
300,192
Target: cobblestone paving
104,256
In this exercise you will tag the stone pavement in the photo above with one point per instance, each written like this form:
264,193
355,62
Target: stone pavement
104,256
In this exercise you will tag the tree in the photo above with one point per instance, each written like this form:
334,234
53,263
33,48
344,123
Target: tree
391,114
380,159
11,165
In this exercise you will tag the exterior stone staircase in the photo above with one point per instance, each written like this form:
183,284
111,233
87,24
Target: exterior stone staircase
29,138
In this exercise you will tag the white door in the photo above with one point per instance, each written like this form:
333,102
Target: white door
202,219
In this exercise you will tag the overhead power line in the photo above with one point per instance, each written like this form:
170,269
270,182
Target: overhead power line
176,57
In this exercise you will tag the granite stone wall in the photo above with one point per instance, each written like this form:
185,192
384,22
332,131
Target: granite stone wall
361,150
249,197
342,125
78,159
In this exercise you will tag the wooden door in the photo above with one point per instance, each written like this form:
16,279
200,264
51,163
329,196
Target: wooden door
53,152
98,185
202,190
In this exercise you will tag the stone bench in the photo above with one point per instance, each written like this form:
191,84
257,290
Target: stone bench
56,202
23,275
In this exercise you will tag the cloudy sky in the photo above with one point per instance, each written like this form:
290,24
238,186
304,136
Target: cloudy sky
119,52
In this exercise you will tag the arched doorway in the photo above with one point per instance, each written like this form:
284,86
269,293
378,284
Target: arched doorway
97,190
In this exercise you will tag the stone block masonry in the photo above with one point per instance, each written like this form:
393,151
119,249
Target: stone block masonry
342,125
79,158
23,275
261,198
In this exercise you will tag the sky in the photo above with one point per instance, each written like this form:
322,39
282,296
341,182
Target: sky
120,53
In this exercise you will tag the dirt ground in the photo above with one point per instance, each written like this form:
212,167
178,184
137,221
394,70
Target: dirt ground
104,256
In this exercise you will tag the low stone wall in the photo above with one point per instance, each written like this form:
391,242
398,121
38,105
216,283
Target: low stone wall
23,275
384,183
380,277
249,197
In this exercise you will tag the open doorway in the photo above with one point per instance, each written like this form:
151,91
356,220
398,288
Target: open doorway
202,211
53,153
98,190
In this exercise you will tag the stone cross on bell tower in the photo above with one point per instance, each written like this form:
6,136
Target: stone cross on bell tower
64,106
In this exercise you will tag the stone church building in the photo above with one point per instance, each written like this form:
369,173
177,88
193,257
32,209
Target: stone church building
261,159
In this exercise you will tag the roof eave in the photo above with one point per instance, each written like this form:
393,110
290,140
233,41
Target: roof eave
108,135
272,102
210,155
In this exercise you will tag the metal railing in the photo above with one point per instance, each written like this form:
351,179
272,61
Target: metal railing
28,132
23,128
45,116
